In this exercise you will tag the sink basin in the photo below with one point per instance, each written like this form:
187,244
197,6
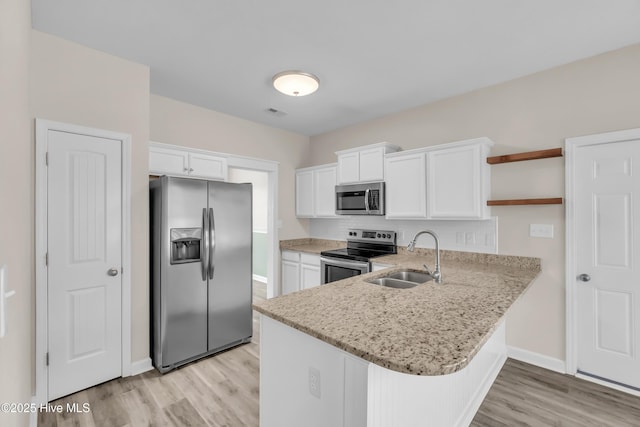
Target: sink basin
392,283
411,276
402,279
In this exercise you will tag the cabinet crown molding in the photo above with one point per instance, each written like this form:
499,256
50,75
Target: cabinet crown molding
390,148
464,143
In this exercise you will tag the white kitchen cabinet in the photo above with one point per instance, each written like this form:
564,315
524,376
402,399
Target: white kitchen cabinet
447,181
349,168
207,166
458,182
309,270
315,192
300,270
363,164
304,193
405,192
325,191
290,272
165,159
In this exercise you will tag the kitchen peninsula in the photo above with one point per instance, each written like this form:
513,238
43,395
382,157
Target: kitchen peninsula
351,353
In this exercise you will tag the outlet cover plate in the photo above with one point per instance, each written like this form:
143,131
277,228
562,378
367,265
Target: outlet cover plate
314,382
541,230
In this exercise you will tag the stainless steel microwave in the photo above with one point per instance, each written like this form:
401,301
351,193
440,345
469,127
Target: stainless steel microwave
360,199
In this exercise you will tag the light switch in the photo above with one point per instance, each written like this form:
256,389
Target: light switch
541,230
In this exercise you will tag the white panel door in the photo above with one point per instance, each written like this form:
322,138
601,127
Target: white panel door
84,248
607,206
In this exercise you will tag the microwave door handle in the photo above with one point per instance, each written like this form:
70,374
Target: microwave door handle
204,245
366,199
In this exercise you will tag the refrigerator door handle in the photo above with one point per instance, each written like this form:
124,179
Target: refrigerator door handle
212,245
204,245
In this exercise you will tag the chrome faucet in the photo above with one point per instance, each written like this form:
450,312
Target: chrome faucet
436,274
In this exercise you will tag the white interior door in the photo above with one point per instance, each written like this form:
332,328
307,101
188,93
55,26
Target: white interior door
607,290
85,259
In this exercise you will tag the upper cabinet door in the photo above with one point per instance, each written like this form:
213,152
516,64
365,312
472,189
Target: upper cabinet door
349,168
304,193
207,166
325,191
372,164
457,178
363,164
165,161
406,186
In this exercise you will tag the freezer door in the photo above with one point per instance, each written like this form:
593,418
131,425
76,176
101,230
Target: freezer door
183,293
230,285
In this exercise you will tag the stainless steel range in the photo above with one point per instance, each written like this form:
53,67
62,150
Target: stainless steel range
362,246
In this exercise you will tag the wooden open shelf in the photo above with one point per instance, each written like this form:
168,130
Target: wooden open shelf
530,155
515,202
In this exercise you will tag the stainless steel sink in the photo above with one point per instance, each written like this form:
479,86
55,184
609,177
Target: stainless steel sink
402,279
392,283
411,276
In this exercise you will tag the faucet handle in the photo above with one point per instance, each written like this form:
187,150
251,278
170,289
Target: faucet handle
426,267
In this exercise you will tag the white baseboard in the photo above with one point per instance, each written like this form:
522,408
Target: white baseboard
537,359
141,366
261,279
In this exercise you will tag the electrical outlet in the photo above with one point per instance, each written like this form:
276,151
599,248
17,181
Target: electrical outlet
460,238
541,230
314,382
470,238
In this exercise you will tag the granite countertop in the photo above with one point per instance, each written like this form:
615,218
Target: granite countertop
311,245
431,329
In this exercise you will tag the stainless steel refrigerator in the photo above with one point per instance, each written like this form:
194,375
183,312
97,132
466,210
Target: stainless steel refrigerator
201,268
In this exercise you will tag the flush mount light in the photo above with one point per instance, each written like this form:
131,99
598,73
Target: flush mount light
295,83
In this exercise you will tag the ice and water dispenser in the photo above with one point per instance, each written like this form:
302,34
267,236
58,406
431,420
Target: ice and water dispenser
185,245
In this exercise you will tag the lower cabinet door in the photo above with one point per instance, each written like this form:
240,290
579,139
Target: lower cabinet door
290,276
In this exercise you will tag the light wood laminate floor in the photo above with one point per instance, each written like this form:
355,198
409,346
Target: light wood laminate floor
223,391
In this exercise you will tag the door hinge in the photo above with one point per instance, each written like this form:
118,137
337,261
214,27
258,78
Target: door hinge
46,259
46,359
46,158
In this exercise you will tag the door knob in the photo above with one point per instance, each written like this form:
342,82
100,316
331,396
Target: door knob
584,277
112,272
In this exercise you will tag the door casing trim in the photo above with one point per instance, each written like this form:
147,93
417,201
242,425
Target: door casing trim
41,188
571,146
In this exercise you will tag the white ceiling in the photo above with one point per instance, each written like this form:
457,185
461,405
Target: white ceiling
373,57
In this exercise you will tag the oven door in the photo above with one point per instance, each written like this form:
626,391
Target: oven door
333,269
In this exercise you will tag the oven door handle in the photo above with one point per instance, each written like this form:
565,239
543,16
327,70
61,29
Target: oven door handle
340,263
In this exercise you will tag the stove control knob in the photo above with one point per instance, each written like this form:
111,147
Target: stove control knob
378,235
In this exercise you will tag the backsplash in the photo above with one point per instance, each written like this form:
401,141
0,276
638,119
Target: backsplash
469,236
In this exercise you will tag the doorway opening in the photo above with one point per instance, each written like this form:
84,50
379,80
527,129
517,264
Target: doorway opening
260,200
264,180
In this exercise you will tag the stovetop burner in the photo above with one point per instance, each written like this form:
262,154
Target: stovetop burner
363,245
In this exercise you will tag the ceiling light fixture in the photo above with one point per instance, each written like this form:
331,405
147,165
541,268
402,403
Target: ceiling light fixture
295,83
